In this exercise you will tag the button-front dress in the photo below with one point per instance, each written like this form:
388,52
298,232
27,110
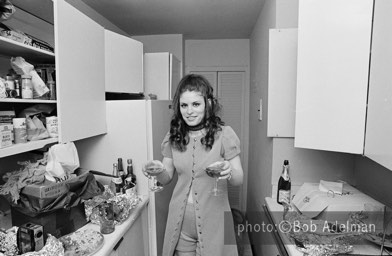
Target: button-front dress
214,223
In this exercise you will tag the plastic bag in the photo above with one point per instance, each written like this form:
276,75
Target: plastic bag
63,160
35,129
22,67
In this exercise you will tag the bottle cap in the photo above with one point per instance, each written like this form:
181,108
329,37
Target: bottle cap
286,162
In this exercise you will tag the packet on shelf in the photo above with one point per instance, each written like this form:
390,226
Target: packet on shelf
5,135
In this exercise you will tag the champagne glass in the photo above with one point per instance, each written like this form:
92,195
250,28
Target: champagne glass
150,170
214,172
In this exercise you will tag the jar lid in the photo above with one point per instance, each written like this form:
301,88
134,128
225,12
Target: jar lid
26,76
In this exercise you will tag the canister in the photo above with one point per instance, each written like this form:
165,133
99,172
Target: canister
20,130
27,87
52,126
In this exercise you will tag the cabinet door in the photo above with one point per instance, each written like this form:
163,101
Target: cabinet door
123,64
175,74
80,74
157,75
332,74
378,146
282,76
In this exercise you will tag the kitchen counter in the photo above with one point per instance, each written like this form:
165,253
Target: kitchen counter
274,212
111,240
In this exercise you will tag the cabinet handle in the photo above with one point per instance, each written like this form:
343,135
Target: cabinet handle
118,244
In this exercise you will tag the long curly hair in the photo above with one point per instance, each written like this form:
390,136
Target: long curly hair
179,130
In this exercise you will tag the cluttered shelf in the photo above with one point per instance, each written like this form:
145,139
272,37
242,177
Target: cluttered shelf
9,47
26,147
334,222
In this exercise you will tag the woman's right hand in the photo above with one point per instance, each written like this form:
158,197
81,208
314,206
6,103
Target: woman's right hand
153,168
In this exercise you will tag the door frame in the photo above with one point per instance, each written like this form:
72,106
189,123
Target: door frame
244,137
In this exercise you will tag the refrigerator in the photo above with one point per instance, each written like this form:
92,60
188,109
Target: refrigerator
135,129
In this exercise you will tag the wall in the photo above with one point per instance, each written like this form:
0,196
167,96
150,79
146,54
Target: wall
266,155
373,179
173,43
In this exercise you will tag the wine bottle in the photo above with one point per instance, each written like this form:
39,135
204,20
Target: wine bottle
120,168
284,185
116,184
130,180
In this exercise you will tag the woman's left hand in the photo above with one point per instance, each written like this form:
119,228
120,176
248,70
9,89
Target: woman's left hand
226,172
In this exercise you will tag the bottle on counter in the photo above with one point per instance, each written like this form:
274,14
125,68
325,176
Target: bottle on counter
116,184
284,186
120,167
130,180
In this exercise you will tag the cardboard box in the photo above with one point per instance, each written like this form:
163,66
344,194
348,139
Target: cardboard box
57,223
49,189
6,135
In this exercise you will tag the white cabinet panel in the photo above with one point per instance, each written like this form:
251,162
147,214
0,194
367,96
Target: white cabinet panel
80,74
162,72
378,143
282,82
332,78
123,64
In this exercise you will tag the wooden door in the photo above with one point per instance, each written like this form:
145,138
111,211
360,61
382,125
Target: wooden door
80,74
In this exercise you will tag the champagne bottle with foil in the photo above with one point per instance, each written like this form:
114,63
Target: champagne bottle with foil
116,184
130,180
284,185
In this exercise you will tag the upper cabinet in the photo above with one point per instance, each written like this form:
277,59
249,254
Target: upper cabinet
162,73
80,73
334,38
80,70
378,146
123,64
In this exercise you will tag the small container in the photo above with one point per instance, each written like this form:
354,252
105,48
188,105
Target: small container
17,89
9,82
27,87
52,126
20,130
52,90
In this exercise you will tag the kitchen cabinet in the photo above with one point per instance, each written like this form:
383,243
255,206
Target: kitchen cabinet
162,73
135,240
332,74
123,64
79,72
282,76
378,146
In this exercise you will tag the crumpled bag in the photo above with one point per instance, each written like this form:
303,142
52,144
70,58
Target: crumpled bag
22,67
63,160
35,129
6,9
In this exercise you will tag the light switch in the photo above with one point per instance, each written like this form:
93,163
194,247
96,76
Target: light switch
261,110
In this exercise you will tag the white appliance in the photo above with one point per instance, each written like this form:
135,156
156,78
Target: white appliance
136,129
162,73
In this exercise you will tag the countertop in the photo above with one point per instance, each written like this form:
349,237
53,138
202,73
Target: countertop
112,239
276,213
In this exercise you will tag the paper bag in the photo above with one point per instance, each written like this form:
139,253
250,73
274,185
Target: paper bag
36,129
63,160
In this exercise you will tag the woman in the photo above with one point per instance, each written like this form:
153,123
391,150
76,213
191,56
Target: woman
197,223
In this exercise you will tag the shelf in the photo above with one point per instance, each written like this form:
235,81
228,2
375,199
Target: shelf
25,147
10,100
12,48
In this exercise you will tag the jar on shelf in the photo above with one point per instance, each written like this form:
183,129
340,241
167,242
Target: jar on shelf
52,90
10,82
27,87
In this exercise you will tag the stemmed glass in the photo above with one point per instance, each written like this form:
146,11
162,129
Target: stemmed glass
150,170
214,172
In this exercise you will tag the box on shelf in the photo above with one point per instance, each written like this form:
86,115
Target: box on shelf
6,135
57,223
49,189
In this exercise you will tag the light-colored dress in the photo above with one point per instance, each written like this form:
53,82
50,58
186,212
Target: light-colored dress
214,221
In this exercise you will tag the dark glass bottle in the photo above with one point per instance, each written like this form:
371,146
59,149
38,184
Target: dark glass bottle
284,185
130,173
120,168
116,183
130,180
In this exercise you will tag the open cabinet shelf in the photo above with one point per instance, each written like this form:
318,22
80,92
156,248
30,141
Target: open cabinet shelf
25,147
13,48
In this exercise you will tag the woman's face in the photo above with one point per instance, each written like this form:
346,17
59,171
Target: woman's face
192,107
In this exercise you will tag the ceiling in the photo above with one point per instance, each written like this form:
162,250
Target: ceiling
194,19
